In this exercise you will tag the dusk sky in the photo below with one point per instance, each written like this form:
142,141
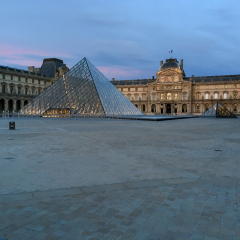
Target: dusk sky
124,39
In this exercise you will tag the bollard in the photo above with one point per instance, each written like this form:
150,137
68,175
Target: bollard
11,125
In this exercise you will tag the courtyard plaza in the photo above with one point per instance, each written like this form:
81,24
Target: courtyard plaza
66,178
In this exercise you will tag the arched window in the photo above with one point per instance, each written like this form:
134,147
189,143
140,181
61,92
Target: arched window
198,96
129,97
153,108
235,95
206,95
234,107
225,95
198,108
169,96
184,108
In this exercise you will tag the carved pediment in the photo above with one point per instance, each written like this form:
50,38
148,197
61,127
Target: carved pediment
169,76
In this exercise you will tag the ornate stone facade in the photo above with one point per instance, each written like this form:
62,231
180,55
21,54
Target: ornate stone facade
19,87
173,93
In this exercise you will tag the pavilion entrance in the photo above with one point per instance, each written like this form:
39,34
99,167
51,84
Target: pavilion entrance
168,108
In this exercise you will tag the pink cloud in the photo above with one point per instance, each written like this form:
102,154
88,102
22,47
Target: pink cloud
118,72
17,55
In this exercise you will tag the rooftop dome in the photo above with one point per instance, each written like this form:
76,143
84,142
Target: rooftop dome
170,63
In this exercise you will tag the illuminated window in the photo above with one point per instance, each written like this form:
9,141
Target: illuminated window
234,95
175,96
198,96
225,95
235,107
225,86
215,95
169,96
216,86
162,96
235,86
207,87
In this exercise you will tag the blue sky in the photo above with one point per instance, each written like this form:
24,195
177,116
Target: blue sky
125,39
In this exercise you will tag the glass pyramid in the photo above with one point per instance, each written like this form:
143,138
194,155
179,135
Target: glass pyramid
82,90
218,110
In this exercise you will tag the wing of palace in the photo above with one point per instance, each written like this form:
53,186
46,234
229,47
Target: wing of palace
171,92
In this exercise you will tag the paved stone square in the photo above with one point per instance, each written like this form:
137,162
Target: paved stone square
120,179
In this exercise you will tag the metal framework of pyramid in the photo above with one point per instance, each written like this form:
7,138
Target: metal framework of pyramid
82,90
218,110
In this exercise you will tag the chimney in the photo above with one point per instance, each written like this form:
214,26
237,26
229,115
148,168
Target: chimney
113,79
161,63
181,64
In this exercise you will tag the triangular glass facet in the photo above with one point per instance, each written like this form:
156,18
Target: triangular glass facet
218,110
82,90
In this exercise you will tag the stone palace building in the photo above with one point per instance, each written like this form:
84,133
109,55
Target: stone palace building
19,87
171,92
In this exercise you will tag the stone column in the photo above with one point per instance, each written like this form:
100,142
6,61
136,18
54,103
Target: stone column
6,105
14,105
164,108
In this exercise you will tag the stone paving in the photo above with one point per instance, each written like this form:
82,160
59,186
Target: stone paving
120,179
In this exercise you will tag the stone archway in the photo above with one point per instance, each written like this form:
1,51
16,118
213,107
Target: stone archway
18,105
2,104
153,108
184,108
168,108
10,105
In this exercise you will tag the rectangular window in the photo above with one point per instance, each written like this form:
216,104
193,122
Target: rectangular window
121,89
144,89
39,82
44,82
216,86
215,95
225,86
26,91
19,90
11,89
129,89
162,96
3,76
129,97
3,89
19,79
11,77
206,95
153,97
136,89
32,80
225,95
136,97
175,96
25,79
32,92
184,96
143,97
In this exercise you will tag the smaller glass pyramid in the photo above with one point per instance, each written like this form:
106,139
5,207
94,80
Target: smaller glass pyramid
82,90
218,110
